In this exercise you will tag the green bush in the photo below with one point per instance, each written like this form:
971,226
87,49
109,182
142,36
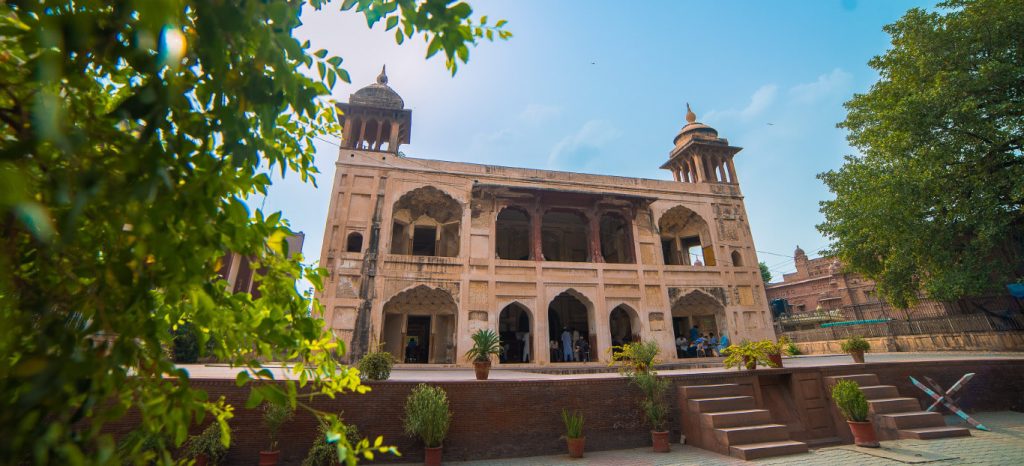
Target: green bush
573,423
792,349
850,400
186,344
749,354
274,416
855,343
322,453
376,365
427,415
635,357
207,443
653,403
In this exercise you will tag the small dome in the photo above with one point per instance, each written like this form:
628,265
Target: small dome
799,252
378,94
695,128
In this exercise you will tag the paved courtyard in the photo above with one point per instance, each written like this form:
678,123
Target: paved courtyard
1004,445
411,372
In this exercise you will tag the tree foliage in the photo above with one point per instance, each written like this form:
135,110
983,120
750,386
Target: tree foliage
934,202
131,134
766,274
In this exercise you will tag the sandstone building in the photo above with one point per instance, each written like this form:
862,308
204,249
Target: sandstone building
433,250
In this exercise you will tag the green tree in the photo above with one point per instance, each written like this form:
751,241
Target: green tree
131,133
766,275
934,202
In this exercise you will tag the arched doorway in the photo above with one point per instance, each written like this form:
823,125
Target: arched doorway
515,330
697,313
685,238
623,324
570,321
419,326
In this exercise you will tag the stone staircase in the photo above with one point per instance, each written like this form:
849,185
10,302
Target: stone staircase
897,417
725,419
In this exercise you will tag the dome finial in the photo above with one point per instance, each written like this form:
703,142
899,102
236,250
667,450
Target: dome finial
382,78
690,116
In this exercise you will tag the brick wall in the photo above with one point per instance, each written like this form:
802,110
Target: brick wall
495,419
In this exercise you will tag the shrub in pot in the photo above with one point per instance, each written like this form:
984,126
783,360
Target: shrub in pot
777,349
855,346
854,406
748,354
274,416
322,453
376,365
574,433
208,447
653,406
485,343
427,417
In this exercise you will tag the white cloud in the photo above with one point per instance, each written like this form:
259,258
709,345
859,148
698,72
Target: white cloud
826,84
536,114
762,98
580,147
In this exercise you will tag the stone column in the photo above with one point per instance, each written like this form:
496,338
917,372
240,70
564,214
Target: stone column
701,172
732,171
536,221
675,174
595,236
362,134
380,129
393,140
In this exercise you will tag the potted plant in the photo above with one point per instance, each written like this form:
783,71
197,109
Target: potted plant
324,453
274,416
777,349
427,417
485,343
376,365
654,407
748,355
207,447
574,433
855,346
851,402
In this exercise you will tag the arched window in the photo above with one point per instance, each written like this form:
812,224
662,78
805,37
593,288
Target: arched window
355,242
513,235
685,238
616,247
737,259
565,236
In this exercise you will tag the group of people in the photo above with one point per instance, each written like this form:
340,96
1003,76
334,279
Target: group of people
700,344
571,346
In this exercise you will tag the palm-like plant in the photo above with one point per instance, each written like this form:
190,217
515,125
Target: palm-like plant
485,343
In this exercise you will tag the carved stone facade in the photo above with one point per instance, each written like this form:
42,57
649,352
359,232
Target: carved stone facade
534,254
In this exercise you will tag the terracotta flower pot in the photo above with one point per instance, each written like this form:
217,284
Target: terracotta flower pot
749,363
269,458
576,446
776,359
482,368
863,434
858,356
432,456
660,441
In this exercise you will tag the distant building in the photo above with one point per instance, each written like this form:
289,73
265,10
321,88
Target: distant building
821,291
432,251
237,269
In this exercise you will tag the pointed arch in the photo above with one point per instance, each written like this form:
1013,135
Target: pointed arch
515,328
425,314
570,320
697,313
426,222
624,324
685,238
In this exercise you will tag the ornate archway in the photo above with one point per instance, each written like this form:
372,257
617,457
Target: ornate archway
697,312
419,326
515,327
570,319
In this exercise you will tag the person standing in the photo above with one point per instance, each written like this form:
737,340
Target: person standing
695,332
526,347
566,345
714,344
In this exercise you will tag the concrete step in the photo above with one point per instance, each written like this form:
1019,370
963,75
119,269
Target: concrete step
928,433
753,451
911,420
874,392
712,391
744,417
861,379
729,436
893,405
724,403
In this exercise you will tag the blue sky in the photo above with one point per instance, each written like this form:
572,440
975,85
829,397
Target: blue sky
601,87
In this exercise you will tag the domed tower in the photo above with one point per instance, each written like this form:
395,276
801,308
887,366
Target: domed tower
700,156
375,116
800,260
